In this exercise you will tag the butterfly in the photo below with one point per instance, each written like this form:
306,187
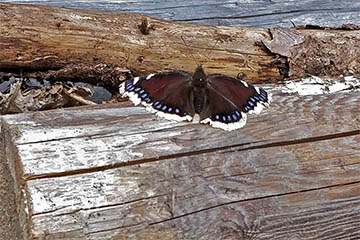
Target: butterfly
219,100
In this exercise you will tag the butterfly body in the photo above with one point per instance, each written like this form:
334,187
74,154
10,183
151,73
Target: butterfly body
198,89
219,100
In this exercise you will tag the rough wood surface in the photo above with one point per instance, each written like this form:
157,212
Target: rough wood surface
39,38
118,172
46,38
260,13
10,227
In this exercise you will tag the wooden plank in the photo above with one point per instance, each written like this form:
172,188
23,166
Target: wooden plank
68,134
262,13
119,172
232,190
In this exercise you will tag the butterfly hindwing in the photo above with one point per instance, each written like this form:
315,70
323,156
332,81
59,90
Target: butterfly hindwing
249,98
165,93
219,112
229,100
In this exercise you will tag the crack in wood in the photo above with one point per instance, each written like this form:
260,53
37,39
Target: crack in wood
197,152
304,140
115,228
187,6
258,15
226,204
98,207
256,198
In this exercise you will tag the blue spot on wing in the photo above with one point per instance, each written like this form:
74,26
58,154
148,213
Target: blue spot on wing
128,85
263,94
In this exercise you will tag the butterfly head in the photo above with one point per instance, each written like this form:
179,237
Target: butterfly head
199,75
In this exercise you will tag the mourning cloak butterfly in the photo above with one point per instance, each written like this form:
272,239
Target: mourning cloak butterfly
220,101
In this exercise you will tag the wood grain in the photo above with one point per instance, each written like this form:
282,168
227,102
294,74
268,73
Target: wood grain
118,172
104,48
257,13
39,38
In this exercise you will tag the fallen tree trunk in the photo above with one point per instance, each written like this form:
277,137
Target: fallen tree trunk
43,38
40,38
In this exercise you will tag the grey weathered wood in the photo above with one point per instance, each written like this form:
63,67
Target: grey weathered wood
263,13
118,172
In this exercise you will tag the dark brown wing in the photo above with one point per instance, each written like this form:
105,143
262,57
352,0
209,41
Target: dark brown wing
166,93
229,99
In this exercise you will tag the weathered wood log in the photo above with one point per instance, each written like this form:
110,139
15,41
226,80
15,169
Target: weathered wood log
118,172
254,13
45,38
34,38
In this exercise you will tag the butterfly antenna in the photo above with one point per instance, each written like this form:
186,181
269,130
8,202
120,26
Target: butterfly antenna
212,50
189,50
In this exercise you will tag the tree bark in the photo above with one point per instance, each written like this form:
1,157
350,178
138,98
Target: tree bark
40,38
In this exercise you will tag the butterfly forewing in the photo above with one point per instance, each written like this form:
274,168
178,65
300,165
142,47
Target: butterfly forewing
166,93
